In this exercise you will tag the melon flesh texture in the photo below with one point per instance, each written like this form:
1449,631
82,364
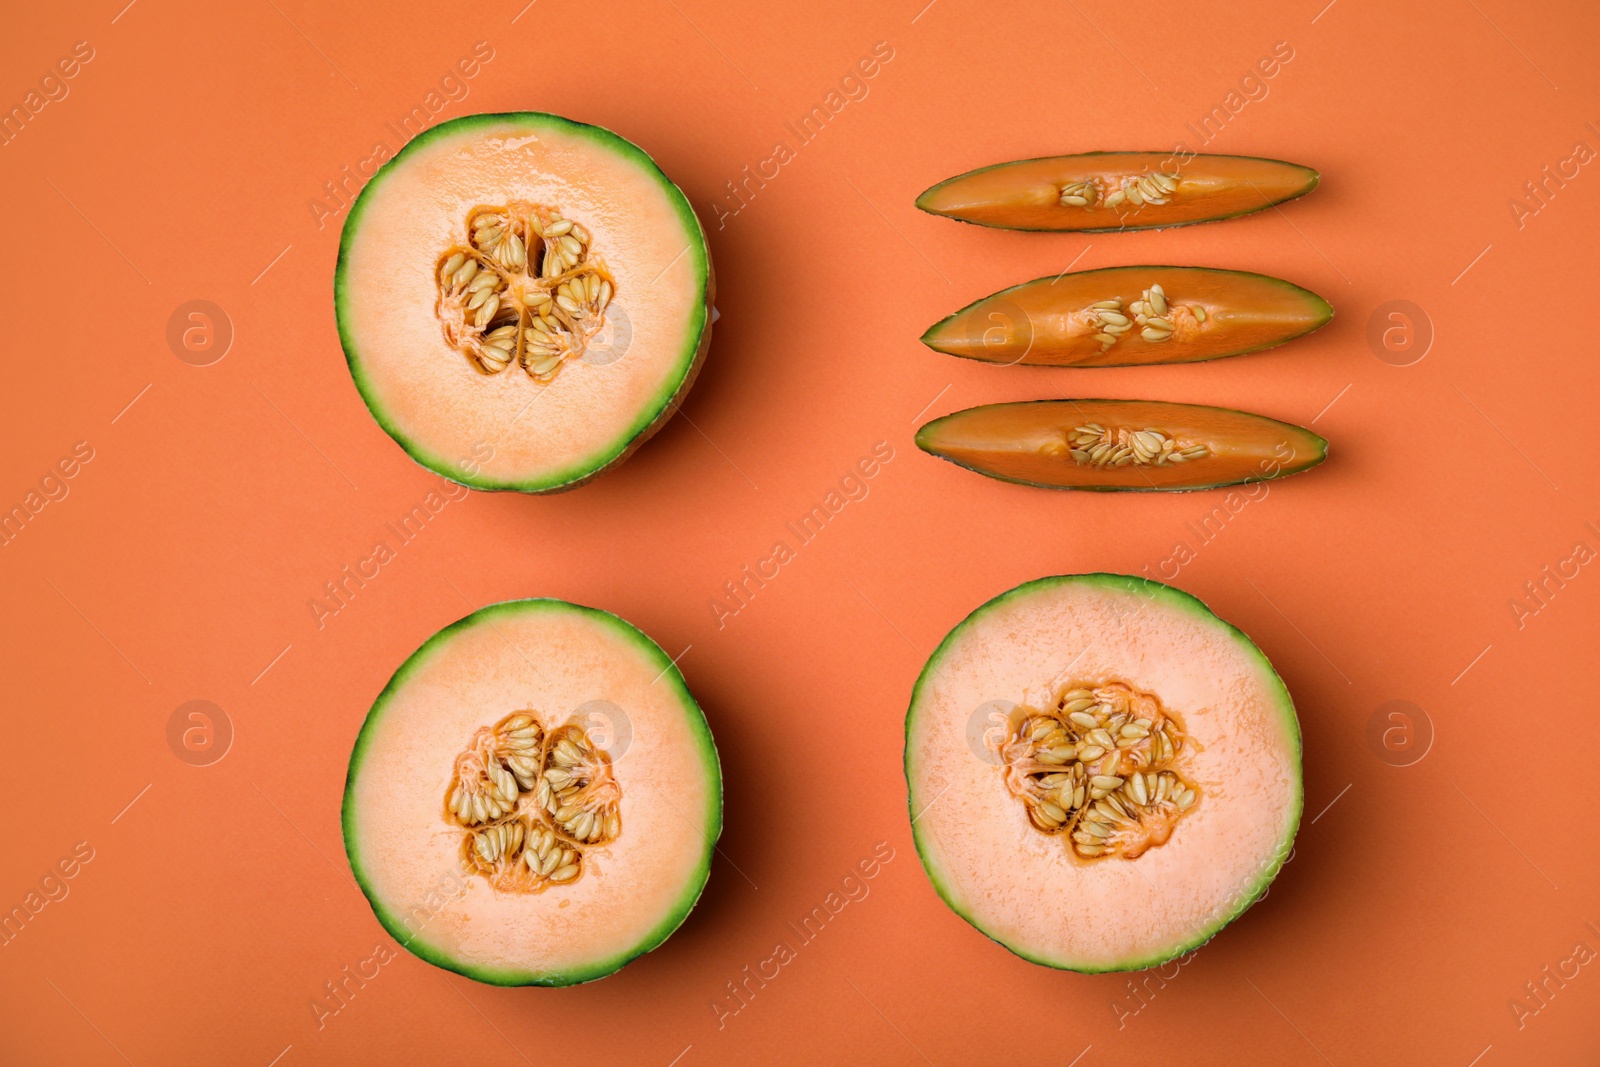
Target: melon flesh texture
552,657
427,395
1022,887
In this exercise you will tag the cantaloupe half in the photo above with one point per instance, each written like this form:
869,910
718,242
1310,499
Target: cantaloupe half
1102,773
534,798
522,299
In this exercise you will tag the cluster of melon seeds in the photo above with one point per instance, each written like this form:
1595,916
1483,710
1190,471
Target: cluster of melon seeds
529,800
524,288
1100,768
578,790
1156,318
1135,189
1079,194
1094,445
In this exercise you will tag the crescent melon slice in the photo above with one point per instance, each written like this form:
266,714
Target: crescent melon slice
1121,445
522,299
1130,316
1097,192
1102,774
534,797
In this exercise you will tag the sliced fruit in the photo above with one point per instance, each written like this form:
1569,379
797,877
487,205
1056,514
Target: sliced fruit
522,299
1122,316
534,797
1099,191
1102,773
1121,444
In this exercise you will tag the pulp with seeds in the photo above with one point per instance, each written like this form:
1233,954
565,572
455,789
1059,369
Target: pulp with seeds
1099,766
524,288
531,802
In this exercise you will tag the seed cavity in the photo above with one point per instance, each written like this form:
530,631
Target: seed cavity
524,288
1155,187
1153,315
1103,767
530,801
1096,445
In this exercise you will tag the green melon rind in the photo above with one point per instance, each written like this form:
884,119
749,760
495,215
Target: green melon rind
1170,598
1319,443
1313,179
1316,303
649,419
670,676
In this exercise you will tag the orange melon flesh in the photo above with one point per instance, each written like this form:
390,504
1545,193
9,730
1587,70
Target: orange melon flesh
1023,888
1026,195
552,657
508,431
1053,321
1031,443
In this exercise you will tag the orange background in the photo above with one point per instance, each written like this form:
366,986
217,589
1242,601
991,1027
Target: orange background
181,562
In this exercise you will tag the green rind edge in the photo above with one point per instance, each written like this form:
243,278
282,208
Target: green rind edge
670,676
1179,599
1314,300
1315,179
1320,442
649,416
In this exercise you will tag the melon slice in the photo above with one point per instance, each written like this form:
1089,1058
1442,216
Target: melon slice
1121,445
1095,192
1130,316
534,797
522,299
1102,774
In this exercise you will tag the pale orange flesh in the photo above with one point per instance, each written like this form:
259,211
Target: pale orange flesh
1023,887
411,856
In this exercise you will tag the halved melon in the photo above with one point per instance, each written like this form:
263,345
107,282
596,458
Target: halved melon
522,299
534,797
1108,445
1127,316
1099,191
1102,774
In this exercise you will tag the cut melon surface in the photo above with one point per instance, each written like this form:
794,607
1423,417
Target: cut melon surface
535,796
1130,316
1121,445
522,299
1101,773
1097,192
